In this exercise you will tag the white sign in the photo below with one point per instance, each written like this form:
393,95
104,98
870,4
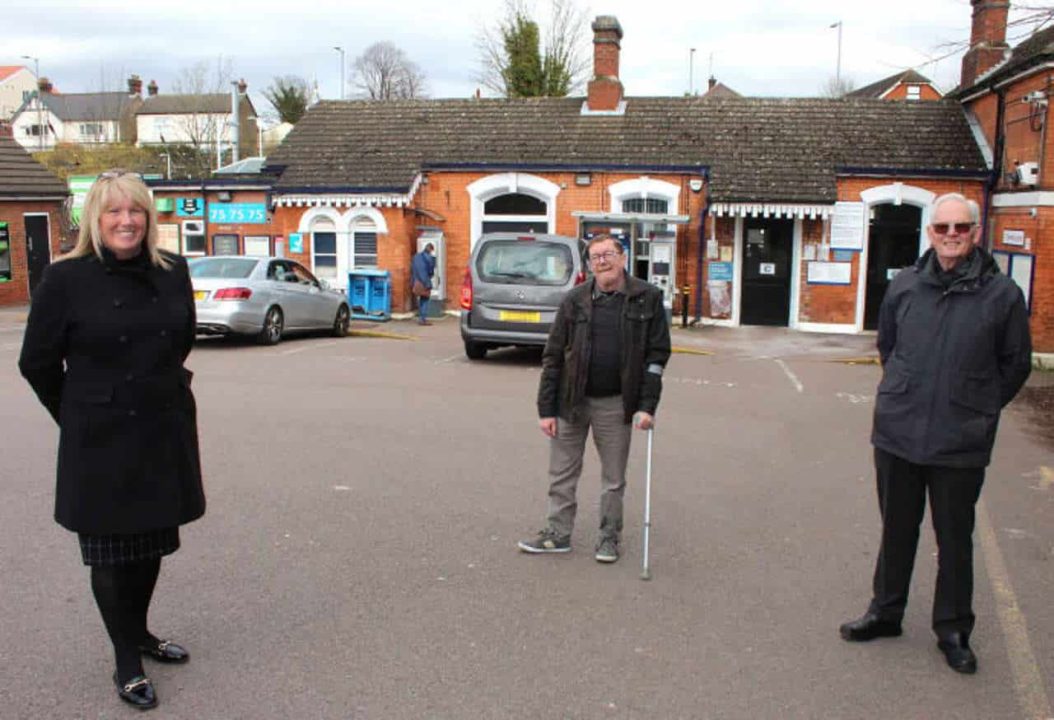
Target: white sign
1014,237
830,273
847,226
766,268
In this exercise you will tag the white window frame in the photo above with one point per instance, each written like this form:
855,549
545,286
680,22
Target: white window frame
492,186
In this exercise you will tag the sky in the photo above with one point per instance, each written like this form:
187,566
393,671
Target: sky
777,48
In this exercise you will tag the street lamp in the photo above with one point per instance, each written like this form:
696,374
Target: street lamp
838,66
691,71
168,164
40,100
339,49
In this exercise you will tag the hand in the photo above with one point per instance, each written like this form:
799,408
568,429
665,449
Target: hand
548,426
644,421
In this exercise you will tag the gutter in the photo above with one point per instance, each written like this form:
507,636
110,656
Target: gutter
913,172
541,167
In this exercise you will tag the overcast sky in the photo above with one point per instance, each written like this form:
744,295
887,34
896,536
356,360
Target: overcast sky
758,47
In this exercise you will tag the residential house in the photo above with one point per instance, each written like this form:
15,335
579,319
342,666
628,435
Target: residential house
17,85
48,118
31,221
906,85
717,89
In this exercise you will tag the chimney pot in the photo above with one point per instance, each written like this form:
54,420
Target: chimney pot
44,85
605,89
242,86
135,85
151,89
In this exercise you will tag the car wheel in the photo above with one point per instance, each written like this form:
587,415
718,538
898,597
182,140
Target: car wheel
272,326
342,321
475,350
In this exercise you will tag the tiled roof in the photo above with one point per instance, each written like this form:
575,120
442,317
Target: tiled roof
183,104
87,106
1038,48
720,90
756,148
7,71
22,176
880,88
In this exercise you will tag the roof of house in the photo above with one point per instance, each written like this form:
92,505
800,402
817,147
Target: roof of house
883,86
720,90
7,71
21,175
765,149
1037,49
211,103
83,106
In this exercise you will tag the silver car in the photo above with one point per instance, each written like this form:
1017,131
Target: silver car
264,297
513,287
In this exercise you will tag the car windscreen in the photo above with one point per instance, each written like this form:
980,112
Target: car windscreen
525,262
229,268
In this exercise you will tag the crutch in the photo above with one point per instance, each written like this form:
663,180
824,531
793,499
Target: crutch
645,573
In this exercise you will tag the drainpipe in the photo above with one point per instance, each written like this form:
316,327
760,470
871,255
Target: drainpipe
997,166
699,259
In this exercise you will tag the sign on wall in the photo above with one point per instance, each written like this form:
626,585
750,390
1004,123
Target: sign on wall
1014,237
190,207
252,213
296,243
847,226
720,271
79,186
830,273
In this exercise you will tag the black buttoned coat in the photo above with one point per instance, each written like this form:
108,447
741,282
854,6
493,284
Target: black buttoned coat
104,349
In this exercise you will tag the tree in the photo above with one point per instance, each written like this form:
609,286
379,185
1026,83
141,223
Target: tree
384,72
837,87
513,62
290,95
202,130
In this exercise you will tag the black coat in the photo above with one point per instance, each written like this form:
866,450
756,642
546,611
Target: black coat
952,357
104,350
645,343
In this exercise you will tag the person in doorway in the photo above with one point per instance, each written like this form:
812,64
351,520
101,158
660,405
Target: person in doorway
955,347
109,329
601,368
422,268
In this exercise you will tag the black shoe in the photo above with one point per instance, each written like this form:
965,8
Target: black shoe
956,649
165,651
869,627
138,692
547,541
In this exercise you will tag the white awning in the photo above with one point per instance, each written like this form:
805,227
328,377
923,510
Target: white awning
386,200
787,210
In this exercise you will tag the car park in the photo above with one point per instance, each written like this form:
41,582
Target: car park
263,297
513,286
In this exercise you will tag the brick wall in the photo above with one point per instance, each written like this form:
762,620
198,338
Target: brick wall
900,92
1039,243
16,292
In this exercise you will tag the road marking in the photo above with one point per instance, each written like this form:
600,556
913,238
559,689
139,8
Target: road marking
303,348
452,358
689,351
866,360
793,378
853,398
697,381
1028,681
379,334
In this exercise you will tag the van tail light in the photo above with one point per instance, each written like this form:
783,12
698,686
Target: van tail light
234,293
466,290
580,277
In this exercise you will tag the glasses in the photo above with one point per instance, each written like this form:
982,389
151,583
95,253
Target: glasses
113,174
605,256
946,228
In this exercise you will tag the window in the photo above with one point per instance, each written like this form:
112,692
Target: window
525,262
92,130
258,245
33,130
363,244
168,237
650,205
193,237
914,92
225,244
324,247
5,253
302,276
515,212
228,268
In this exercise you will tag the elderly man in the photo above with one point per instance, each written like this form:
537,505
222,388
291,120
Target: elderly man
602,365
955,347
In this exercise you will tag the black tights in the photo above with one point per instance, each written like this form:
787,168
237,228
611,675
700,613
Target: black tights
123,594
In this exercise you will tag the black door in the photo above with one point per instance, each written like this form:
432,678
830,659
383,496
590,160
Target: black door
893,244
766,272
38,247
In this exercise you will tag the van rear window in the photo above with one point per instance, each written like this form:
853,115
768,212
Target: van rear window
525,263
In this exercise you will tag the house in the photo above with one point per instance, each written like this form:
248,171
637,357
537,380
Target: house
31,221
48,118
906,85
792,212
17,85
717,89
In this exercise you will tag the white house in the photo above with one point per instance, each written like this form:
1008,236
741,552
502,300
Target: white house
17,85
79,118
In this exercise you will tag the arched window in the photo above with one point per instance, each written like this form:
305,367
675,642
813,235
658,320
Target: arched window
650,205
515,212
363,242
324,248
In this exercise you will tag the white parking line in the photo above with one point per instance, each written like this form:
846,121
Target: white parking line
793,378
452,358
303,348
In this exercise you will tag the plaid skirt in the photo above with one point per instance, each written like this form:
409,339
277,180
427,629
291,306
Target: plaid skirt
130,548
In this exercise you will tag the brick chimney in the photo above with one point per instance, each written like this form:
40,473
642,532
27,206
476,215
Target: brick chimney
44,86
987,39
151,89
712,81
135,85
605,89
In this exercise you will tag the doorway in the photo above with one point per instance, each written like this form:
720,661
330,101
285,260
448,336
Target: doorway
38,247
893,244
767,252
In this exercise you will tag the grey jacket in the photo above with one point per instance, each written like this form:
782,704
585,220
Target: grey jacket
952,358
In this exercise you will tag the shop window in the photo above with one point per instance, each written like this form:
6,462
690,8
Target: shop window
5,253
193,237
225,244
258,245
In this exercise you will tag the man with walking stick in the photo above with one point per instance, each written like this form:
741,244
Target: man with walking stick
601,369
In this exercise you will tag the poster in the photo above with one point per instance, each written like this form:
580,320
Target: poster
719,271
830,273
847,226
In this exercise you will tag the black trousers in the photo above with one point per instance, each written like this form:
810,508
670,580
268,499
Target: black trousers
953,493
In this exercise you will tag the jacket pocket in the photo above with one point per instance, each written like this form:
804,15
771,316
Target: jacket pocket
894,382
978,391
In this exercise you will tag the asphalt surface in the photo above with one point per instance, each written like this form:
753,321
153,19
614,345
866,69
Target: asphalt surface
358,559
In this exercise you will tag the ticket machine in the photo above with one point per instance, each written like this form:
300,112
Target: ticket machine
435,236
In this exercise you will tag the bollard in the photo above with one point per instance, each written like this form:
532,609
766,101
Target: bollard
685,292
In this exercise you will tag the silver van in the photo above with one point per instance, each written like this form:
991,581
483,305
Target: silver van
513,286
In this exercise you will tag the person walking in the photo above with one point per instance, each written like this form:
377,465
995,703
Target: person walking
422,268
109,329
601,368
955,347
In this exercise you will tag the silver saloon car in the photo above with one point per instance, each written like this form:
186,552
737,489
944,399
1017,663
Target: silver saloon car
264,297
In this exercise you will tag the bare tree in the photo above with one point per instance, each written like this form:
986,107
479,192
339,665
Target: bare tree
837,87
198,127
384,72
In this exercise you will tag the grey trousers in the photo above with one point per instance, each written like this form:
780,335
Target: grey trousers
612,438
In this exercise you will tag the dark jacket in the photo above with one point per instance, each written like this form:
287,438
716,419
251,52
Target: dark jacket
422,267
104,350
952,358
645,341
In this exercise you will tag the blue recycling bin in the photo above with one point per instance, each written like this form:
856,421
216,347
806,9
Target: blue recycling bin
370,294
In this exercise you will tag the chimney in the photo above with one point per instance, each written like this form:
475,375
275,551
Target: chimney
242,86
135,85
44,86
987,39
712,81
151,89
605,89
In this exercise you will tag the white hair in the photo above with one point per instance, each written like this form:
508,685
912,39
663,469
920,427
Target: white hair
975,209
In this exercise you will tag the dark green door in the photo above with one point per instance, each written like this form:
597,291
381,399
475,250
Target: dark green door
767,249
893,244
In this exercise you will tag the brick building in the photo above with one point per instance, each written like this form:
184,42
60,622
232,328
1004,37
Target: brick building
906,85
31,211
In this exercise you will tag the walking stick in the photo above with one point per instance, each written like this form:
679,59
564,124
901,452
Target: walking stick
645,573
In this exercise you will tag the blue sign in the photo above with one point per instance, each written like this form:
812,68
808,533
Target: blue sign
844,255
720,270
189,207
296,243
250,213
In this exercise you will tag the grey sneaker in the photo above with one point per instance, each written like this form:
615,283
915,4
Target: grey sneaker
546,542
607,550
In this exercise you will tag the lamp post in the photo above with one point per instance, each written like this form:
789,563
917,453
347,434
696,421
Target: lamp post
168,164
40,101
691,71
838,67
339,49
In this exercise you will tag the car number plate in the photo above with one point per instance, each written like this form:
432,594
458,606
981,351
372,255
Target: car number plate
519,316
200,294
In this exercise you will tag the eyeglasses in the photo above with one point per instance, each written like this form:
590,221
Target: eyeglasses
113,174
945,228
605,256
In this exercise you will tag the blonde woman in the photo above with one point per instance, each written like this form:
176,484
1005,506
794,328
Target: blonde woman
110,327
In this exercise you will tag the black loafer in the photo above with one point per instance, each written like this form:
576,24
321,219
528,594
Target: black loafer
869,627
956,649
138,692
165,651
